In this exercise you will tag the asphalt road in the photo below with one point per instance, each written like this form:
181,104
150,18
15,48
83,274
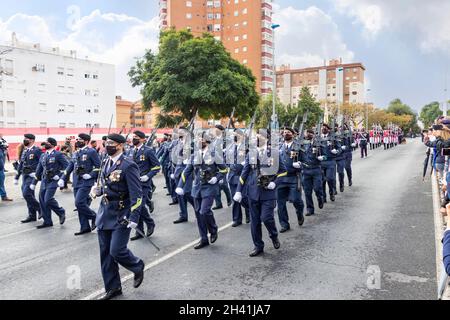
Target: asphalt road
380,231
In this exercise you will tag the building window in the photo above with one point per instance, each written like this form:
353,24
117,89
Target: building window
1,108
245,61
61,108
209,28
236,38
61,89
95,76
244,37
217,27
216,4
218,16
87,92
209,4
188,15
236,13
71,125
244,11
42,125
2,124
10,109
71,108
210,16
38,68
69,72
244,49
189,4
9,67
236,50
43,107
244,23
62,125
70,90
87,75
60,71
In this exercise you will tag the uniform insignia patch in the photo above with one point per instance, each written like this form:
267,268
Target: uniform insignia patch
142,158
115,176
51,160
31,156
84,157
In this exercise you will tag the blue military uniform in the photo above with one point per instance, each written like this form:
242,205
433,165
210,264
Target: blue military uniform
122,198
329,166
348,141
29,162
203,192
223,184
340,163
311,175
288,187
85,162
236,153
186,198
163,158
262,201
149,166
49,170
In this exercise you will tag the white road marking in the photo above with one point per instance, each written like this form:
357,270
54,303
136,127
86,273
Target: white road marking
155,263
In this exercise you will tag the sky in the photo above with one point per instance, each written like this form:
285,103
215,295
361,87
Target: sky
404,44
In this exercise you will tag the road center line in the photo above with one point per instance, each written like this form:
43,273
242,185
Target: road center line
155,263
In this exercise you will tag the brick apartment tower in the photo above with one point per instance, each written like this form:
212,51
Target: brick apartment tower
244,27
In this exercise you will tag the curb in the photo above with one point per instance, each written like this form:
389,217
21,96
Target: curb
439,232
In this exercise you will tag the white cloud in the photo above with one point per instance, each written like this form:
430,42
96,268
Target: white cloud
427,21
104,37
308,37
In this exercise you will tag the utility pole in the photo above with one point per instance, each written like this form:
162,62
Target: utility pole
367,110
274,78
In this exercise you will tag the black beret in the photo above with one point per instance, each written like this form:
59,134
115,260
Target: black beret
104,138
289,129
52,142
140,134
30,136
220,127
117,138
84,136
326,126
310,131
296,131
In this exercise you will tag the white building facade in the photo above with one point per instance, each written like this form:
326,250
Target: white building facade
52,88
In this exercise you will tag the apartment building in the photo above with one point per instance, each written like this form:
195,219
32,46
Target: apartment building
333,83
49,87
243,26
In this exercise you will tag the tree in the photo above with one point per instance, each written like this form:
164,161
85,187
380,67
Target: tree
429,113
309,104
398,108
265,109
194,74
355,113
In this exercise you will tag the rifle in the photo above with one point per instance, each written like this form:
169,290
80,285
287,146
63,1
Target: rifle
298,147
317,141
102,163
230,122
123,127
295,122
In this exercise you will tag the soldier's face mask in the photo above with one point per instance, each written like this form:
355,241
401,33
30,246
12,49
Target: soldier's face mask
136,141
26,142
80,144
288,136
47,146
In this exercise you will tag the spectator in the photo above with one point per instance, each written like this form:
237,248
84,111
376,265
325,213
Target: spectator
2,176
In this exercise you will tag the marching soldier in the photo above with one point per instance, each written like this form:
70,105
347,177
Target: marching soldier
149,166
310,160
288,186
49,171
349,143
85,166
208,169
118,213
186,197
262,193
340,163
329,163
236,160
164,159
29,161
217,145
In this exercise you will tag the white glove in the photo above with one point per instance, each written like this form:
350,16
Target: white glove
132,225
297,165
353,145
172,176
432,138
32,186
237,197
213,180
179,191
95,192
271,186
186,161
320,158
221,181
144,178
61,183
344,148
16,182
32,175
56,178
334,151
87,176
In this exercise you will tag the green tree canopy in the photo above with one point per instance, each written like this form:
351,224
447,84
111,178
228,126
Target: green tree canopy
429,113
194,74
309,104
398,108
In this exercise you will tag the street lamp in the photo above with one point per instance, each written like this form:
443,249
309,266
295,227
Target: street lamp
367,110
274,78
